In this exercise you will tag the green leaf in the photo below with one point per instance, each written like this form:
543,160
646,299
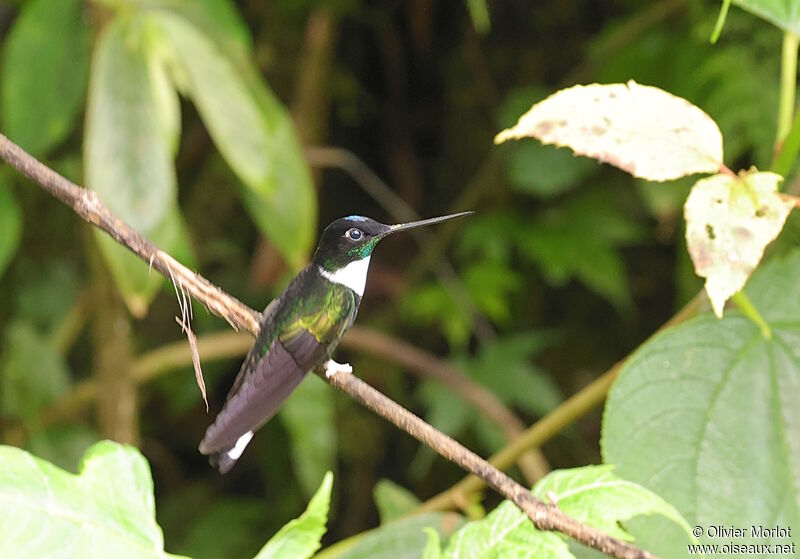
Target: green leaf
705,414
782,13
309,417
300,538
479,12
593,495
491,286
520,383
44,73
402,539
132,128
488,236
564,253
127,153
431,304
433,547
106,511
33,373
10,226
505,532
393,500
546,171
253,132
222,98
219,19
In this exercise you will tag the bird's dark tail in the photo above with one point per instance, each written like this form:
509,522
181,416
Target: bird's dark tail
263,384
222,462
225,459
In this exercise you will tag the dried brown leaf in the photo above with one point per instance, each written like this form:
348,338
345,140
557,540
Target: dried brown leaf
198,371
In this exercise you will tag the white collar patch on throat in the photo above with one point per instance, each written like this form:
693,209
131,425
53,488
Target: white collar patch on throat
354,275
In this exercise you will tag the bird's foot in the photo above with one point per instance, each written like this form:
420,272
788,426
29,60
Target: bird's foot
334,368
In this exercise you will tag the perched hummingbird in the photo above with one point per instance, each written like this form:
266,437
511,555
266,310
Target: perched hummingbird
299,331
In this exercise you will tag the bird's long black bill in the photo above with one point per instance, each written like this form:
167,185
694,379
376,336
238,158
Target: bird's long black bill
424,222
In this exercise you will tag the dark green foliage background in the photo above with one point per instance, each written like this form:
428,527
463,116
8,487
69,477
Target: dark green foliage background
571,264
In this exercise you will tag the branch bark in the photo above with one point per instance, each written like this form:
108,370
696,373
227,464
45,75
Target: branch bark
532,462
89,206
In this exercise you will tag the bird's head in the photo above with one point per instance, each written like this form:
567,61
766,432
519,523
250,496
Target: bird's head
353,238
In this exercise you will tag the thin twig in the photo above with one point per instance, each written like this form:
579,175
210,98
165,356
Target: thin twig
89,206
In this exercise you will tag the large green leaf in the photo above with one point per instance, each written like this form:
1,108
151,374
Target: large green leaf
308,415
105,511
132,128
10,226
300,538
706,415
219,19
506,533
127,153
782,13
32,373
44,73
593,495
253,132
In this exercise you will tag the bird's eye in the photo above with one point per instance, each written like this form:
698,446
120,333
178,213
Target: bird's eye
354,234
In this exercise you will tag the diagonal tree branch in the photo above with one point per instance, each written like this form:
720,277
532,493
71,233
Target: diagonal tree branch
576,406
531,462
89,206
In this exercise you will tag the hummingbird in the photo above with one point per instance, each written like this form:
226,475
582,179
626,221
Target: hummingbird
299,331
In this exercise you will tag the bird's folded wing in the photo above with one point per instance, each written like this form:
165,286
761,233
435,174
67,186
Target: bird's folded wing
262,386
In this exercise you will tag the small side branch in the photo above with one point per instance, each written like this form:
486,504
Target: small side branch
89,206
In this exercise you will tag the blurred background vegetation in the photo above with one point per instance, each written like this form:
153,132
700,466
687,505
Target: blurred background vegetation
566,267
